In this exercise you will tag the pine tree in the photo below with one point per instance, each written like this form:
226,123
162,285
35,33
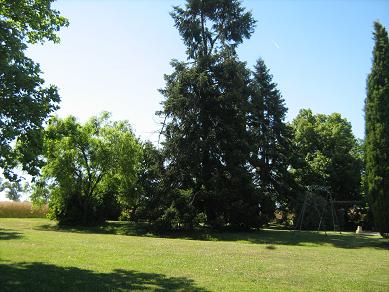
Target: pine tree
377,131
270,137
206,105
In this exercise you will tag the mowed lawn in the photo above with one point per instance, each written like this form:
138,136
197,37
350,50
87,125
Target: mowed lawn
35,255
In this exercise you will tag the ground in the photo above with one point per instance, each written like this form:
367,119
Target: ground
36,255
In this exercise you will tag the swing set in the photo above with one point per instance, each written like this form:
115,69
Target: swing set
330,204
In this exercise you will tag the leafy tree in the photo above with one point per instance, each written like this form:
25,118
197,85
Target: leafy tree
90,169
270,137
206,140
377,131
327,154
328,161
25,103
150,186
13,190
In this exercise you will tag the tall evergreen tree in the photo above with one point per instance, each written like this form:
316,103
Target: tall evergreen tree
270,136
377,131
206,110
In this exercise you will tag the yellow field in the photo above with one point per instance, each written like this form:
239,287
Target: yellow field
21,210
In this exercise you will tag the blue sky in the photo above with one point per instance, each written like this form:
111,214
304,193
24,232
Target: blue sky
114,54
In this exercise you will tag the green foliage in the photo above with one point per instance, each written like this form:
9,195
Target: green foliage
377,131
208,26
270,137
327,160
150,185
326,154
90,169
13,190
25,103
35,20
206,108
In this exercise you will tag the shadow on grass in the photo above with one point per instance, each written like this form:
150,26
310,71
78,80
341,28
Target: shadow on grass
46,277
271,247
269,237
7,234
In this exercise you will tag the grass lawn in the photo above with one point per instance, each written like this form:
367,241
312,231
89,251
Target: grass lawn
35,255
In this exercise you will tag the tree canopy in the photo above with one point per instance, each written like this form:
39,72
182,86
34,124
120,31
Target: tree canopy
88,168
25,102
209,137
327,156
270,137
208,27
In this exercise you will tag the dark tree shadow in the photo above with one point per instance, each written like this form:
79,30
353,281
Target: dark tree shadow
271,247
267,236
45,277
7,234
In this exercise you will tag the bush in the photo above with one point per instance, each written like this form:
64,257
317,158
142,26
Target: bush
76,209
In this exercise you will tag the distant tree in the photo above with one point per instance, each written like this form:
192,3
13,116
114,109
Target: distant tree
377,131
90,169
206,107
270,137
13,190
327,154
25,103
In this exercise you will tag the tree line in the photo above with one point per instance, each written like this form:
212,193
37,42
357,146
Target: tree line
227,158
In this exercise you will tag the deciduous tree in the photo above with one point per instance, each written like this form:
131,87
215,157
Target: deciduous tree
327,162
25,102
13,190
328,155
89,169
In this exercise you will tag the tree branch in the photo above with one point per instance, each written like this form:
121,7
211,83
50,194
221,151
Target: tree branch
88,170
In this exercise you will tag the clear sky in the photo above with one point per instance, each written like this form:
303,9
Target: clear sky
114,54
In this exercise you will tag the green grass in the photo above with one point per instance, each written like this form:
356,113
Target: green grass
36,255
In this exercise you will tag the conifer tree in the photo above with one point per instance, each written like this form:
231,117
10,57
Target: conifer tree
206,105
377,131
270,136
